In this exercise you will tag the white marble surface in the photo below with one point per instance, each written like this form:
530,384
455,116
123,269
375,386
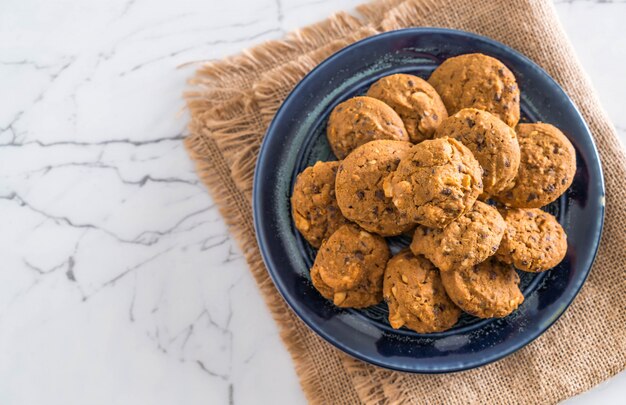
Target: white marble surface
119,282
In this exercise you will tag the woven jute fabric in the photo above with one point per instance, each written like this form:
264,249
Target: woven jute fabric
233,101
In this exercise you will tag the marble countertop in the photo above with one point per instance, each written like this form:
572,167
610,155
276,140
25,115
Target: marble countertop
120,283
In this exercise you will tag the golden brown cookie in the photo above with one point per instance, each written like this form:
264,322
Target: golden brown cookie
313,204
349,266
415,295
359,187
533,241
467,241
360,120
547,167
493,143
435,183
415,101
478,81
488,290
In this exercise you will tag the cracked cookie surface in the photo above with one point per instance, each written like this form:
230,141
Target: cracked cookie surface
415,101
415,295
493,143
313,204
533,241
547,167
359,187
349,267
465,242
435,183
360,120
488,290
478,81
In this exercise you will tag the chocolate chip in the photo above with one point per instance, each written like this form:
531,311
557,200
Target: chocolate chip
564,180
497,97
315,189
556,149
340,109
387,123
550,188
492,275
435,117
507,163
380,195
446,191
531,196
375,210
501,72
389,210
411,83
470,122
360,194
359,255
460,168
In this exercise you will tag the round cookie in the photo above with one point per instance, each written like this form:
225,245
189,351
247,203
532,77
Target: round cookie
360,120
313,204
493,143
359,187
349,267
437,182
478,81
547,167
467,241
533,241
415,101
488,290
415,295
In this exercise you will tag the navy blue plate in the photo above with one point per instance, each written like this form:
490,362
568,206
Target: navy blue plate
296,139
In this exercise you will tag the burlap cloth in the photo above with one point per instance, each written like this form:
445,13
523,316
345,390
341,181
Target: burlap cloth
233,101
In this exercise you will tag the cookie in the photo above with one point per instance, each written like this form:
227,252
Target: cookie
359,187
360,120
435,183
349,267
467,241
488,290
415,101
493,143
547,167
533,241
313,204
415,295
478,81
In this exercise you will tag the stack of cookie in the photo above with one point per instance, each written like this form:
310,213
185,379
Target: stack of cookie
445,161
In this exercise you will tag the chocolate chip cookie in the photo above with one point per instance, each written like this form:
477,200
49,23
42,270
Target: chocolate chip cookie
435,183
478,81
467,241
533,241
547,167
360,120
493,143
415,295
313,204
359,187
417,103
488,290
349,266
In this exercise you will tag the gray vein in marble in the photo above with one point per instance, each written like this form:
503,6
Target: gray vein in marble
178,137
201,45
146,238
97,165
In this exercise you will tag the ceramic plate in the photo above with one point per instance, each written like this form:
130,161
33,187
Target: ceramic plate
296,139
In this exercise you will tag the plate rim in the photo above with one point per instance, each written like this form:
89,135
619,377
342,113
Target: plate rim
270,265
